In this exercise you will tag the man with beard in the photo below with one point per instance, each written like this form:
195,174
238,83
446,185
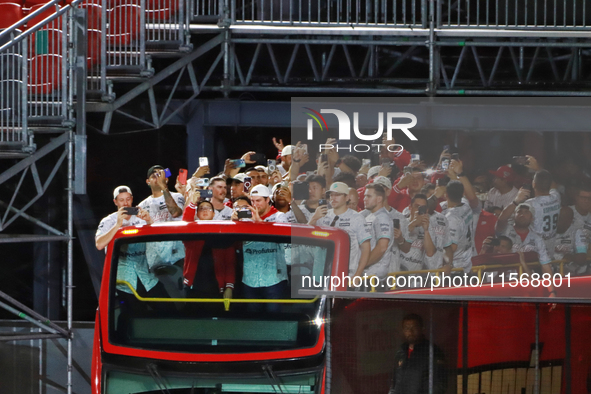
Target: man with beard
162,205
352,222
411,362
218,187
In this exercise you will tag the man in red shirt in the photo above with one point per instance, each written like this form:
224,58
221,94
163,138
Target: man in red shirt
403,191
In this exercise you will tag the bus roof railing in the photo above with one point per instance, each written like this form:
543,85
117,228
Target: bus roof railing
225,301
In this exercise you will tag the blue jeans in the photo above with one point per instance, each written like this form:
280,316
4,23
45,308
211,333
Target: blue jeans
278,291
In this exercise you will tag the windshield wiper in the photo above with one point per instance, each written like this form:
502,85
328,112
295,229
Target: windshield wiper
153,370
272,377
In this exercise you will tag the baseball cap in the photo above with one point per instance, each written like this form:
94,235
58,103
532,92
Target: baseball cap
154,168
262,168
260,191
121,189
288,150
373,171
238,177
526,206
504,172
383,181
339,187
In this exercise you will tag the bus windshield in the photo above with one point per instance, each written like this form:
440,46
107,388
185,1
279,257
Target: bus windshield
215,293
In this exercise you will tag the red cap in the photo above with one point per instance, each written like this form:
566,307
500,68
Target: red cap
505,173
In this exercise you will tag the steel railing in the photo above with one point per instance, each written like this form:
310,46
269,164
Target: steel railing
379,13
34,71
513,14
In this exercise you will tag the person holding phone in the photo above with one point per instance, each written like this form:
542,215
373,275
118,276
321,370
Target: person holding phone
419,236
503,192
162,205
109,225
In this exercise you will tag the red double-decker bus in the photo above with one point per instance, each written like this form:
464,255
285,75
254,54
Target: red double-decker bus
154,333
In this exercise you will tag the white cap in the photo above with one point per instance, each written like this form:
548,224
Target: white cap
288,150
339,187
238,177
373,171
383,181
260,191
121,189
526,206
262,168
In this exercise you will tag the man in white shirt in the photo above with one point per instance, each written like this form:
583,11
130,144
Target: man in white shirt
382,233
261,201
503,192
352,222
460,218
162,205
123,198
218,196
521,233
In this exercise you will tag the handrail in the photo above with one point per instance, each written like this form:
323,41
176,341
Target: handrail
225,301
22,36
478,269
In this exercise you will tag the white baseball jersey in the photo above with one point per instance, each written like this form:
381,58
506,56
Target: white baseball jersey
496,199
547,210
110,221
157,209
461,222
379,226
580,221
439,231
354,224
395,265
223,214
531,243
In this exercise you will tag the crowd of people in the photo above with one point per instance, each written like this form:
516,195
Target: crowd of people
401,214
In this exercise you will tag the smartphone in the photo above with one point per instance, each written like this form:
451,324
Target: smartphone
203,162
455,156
131,210
527,187
258,158
446,148
206,193
247,184
322,202
495,242
521,160
445,164
203,182
239,163
396,223
366,162
415,158
442,181
244,213
182,176
304,147
407,170
301,190
271,165
324,157
422,209
167,172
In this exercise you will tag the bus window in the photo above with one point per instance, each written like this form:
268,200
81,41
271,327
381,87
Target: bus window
182,303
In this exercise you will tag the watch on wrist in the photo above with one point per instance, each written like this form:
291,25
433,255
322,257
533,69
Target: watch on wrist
296,161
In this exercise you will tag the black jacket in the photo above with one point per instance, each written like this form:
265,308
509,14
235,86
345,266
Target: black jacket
411,375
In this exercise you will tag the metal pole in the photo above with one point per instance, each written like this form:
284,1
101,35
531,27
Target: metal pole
537,355
70,255
567,353
431,44
431,356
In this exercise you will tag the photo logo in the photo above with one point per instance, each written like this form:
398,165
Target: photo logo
345,124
